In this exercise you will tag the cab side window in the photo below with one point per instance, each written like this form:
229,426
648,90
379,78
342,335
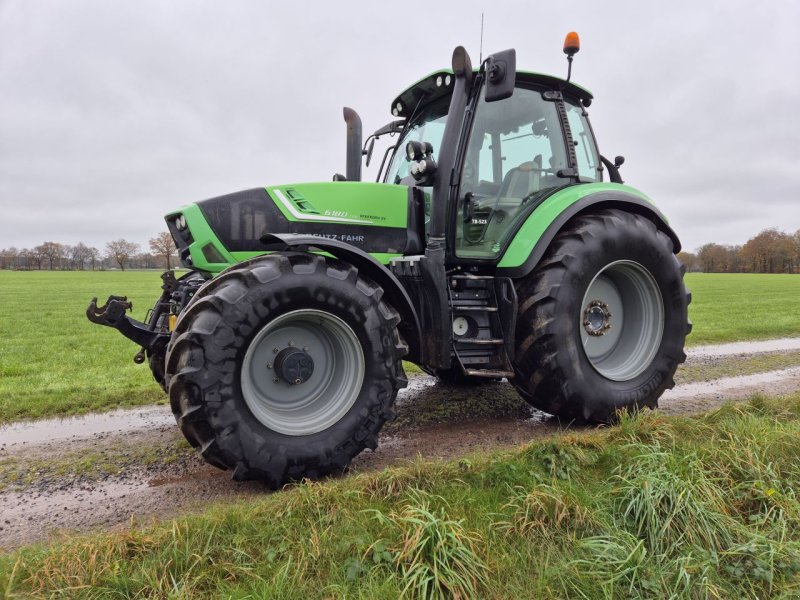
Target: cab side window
585,152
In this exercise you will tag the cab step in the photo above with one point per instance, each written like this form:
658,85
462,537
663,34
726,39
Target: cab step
488,373
486,341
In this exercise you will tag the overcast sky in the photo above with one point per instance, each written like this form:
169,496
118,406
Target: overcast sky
114,113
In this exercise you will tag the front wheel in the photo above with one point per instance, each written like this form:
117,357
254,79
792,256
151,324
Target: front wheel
602,319
285,367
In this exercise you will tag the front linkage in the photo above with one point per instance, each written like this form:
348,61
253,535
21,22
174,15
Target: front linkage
154,333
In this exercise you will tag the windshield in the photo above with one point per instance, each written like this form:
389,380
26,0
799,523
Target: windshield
428,126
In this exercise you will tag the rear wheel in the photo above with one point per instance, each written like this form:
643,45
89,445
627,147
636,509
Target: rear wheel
602,319
285,367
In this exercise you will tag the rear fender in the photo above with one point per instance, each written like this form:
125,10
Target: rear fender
534,238
394,292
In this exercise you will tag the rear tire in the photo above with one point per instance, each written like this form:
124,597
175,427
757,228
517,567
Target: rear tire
602,319
338,367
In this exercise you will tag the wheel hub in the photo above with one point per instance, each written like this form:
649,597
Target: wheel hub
628,292
302,372
294,366
597,318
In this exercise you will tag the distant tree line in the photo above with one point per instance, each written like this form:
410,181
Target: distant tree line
117,254
771,251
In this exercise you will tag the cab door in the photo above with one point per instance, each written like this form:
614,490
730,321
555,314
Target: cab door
515,155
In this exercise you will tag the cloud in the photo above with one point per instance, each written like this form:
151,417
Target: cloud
113,114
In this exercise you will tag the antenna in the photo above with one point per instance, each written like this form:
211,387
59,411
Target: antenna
480,55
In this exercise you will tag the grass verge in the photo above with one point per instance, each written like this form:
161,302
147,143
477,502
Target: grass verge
680,507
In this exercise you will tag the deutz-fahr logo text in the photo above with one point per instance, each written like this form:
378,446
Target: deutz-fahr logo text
342,237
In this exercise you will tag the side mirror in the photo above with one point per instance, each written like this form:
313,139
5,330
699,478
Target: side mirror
369,150
619,161
390,128
501,75
393,127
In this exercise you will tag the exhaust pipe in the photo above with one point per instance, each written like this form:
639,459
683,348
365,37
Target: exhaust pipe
353,172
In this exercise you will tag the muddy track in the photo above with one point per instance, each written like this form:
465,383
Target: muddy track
434,421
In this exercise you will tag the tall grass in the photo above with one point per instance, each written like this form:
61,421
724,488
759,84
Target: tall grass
657,507
436,556
547,509
669,500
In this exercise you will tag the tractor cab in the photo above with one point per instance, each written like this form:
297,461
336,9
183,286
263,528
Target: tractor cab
514,153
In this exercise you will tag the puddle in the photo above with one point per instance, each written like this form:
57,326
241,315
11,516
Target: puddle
782,344
716,387
418,384
155,417
130,420
146,418
48,430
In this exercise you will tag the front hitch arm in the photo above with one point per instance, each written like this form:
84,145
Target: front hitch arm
112,314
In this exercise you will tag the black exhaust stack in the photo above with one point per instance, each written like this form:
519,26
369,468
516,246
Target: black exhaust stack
354,152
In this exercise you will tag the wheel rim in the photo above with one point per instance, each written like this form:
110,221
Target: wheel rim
302,372
621,320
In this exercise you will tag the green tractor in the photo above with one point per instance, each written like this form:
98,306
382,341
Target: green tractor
496,243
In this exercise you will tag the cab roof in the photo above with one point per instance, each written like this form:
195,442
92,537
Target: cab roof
440,83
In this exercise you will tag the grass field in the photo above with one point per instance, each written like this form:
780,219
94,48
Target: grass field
730,307
657,507
54,362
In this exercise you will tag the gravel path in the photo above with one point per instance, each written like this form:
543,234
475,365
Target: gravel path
141,492
779,345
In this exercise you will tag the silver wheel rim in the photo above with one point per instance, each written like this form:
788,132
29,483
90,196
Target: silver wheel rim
621,320
307,407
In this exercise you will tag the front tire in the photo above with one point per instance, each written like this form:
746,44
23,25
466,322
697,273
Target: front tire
602,319
285,367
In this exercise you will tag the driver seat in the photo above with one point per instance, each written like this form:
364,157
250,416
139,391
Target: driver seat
522,180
